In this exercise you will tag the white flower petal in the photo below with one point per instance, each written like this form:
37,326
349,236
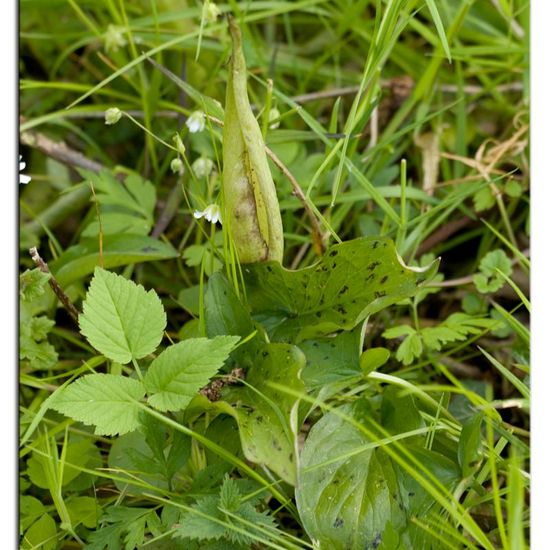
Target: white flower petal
24,179
195,122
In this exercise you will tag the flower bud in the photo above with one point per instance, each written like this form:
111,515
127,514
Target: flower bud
112,115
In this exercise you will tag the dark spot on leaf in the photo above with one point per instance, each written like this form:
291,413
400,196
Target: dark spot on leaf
377,540
373,265
333,253
332,345
369,278
315,344
265,353
375,245
338,522
270,269
318,314
333,265
344,289
379,293
260,419
383,279
276,445
148,249
412,494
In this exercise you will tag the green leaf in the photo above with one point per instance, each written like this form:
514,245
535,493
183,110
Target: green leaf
181,370
135,464
490,280
264,414
207,519
331,359
346,496
30,509
79,454
80,260
372,359
351,281
32,284
484,199
121,319
440,29
409,349
41,534
513,188
469,444
134,194
107,401
351,496
84,510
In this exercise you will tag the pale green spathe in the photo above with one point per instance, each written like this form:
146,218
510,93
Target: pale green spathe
250,200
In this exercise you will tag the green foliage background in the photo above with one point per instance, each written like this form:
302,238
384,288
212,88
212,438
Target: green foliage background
342,410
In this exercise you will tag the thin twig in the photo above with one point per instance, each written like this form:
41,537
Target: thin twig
58,291
315,227
58,150
445,88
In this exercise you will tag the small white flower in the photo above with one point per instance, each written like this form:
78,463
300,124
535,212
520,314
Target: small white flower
203,167
114,38
112,115
177,166
274,114
211,213
23,179
196,122
212,12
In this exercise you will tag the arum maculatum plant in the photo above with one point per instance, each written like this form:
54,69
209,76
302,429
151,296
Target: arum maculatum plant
251,208
274,365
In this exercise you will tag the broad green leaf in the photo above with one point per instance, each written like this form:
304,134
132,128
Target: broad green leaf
80,260
224,312
30,509
41,534
121,319
137,469
107,401
372,359
331,359
84,510
182,369
263,413
351,495
78,455
345,495
351,281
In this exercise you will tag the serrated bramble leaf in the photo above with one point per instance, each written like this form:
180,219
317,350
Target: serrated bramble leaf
107,401
181,370
121,319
